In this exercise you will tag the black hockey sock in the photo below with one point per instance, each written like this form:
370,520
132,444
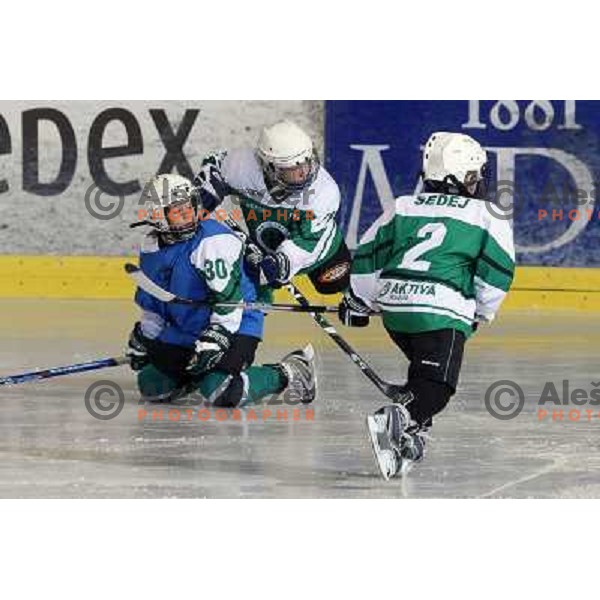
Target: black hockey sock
430,397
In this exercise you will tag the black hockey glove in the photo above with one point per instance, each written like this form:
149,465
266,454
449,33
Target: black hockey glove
210,349
136,351
253,256
275,269
352,311
479,318
210,186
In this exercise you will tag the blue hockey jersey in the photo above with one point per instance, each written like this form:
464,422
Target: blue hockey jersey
208,267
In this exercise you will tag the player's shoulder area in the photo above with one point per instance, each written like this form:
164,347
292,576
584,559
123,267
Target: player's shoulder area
208,228
240,155
149,243
214,240
449,205
241,168
324,193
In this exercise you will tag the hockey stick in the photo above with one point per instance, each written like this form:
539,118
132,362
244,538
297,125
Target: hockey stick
146,284
92,365
388,389
392,391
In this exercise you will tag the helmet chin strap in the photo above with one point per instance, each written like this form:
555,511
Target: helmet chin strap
277,191
281,190
451,185
168,237
140,223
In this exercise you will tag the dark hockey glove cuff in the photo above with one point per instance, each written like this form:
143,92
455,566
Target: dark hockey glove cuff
479,318
211,188
276,269
353,312
136,351
253,257
210,349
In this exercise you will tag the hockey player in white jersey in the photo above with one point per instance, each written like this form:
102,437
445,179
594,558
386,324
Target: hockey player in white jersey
289,204
435,265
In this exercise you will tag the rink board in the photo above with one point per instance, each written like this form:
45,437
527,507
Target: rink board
103,277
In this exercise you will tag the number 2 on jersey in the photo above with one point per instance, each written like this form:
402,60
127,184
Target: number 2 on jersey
434,234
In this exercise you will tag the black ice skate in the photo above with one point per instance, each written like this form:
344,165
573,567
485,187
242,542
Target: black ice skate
412,444
393,446
299,370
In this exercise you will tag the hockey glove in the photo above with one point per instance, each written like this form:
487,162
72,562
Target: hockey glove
136,351
209,183
210,349
481,319
352,311
253,256
275,269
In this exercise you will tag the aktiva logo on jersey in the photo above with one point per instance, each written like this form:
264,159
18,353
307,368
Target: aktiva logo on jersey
543,155
400,291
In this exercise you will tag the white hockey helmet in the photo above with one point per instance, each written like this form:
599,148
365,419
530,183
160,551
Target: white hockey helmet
287,156
173,207
455,160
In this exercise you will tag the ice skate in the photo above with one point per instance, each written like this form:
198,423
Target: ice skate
412,444
386,429
299,369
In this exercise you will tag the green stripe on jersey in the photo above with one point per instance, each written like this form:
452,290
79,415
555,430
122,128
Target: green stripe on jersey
450,262
495,266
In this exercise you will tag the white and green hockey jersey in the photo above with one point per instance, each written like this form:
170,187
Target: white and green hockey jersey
303,226
435,261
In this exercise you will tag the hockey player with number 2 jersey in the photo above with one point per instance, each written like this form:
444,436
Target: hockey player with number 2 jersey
435,265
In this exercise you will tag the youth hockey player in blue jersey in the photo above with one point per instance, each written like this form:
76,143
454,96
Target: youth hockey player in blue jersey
179,349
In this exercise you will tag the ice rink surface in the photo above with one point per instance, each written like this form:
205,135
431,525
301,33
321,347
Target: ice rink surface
50,446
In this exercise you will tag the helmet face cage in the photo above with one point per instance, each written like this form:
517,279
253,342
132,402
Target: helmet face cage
481,181
283,181
175,218
181,219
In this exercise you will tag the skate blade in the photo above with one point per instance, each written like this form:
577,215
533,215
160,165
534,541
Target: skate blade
309,353
372,427
406,467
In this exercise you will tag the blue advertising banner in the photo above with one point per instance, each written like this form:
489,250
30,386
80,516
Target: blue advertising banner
544,160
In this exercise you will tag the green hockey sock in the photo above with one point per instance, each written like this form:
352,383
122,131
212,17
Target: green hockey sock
264,381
